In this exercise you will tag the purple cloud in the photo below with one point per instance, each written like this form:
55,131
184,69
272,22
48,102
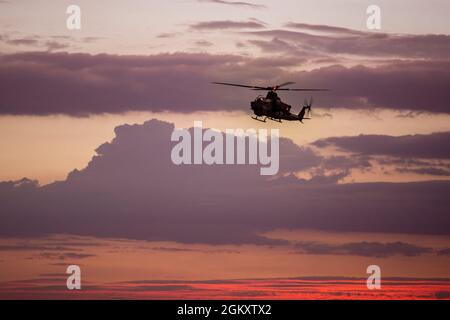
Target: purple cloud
203,43
325,29
51,43
431,146
80,84
341,41
131,189
228,24
422,154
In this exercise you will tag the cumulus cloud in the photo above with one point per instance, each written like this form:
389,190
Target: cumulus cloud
131,189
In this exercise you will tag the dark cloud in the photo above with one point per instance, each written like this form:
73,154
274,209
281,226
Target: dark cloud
435,145
236,3
51,249
34,247
52,43
276,46
50,245
432,171
325,29
203,43
172,249
366,249
400,85
176,250
442,295
347,163
55,45
228,24
421,154
23,42
128,190
444,252
65,255
79,84
342,41
167,35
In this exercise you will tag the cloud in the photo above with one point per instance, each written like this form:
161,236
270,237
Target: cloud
167,35
55,45
176,250
429,170
52,248
80,84
365,249
23,42
279,288
421,154
330,40
442,295
52,43
65,255
203,43
228,24
444,252
34,247
398,85
325,29
236,3
131,189
435,145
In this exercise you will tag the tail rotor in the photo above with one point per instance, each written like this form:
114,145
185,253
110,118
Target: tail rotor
306,110
308,104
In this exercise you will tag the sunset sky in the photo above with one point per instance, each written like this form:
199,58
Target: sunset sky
86,177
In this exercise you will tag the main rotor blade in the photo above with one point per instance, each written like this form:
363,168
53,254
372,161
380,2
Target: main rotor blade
289,89
241,85
275,88
284,84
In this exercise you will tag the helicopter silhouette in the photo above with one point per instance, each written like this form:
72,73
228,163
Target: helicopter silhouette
271,107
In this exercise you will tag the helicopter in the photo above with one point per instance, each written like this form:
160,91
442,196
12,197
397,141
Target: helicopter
271,107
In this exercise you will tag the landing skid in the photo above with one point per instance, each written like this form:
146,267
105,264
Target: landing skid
276,120
264,120
257,119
